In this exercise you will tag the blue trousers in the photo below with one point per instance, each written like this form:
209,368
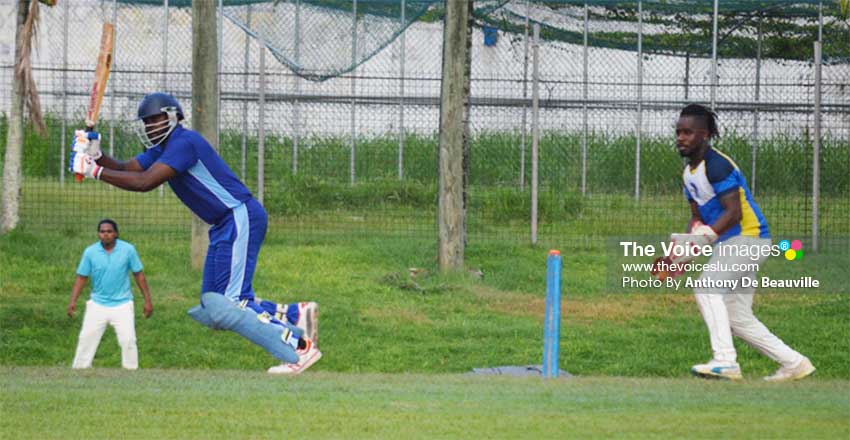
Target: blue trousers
232,255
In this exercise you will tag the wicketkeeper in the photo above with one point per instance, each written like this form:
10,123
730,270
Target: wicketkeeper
207,186
723,213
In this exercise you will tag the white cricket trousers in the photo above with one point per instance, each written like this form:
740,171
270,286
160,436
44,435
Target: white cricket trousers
94,324
729,312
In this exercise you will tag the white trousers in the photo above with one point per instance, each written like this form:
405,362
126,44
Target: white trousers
729,312
94,324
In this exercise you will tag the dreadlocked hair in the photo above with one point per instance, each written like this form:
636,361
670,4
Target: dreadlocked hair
706,115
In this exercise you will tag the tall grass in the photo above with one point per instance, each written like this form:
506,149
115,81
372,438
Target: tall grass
498,194
783,162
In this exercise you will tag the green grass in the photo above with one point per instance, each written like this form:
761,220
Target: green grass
395,346
376,318
106,403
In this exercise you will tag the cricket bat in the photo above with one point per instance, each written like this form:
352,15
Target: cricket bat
101,75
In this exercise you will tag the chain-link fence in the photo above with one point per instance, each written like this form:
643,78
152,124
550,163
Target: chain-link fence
357,151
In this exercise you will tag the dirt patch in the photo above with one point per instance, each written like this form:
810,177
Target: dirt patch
617,308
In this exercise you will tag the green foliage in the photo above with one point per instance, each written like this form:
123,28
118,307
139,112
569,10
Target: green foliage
788,28
39,158
504,205
298,195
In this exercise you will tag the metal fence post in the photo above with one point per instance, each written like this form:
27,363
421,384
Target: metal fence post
219,69
261,142
687,74
817,123
756,111
524,104
714,56
296,105
243,156
63,140
535,128
112,88
164,79
351,166
401,94
584,94
816,152
639,127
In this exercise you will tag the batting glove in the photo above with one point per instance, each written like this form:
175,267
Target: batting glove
82,163
87,142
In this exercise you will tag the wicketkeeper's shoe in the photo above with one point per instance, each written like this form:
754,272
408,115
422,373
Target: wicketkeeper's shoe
307,356
717,370
801,370
308,320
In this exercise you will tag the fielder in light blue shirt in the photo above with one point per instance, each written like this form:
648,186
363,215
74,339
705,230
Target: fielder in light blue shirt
107,263
110,284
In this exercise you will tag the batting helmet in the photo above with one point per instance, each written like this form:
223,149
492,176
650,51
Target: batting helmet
156,132
158,102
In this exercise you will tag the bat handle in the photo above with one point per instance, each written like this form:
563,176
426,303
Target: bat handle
77,176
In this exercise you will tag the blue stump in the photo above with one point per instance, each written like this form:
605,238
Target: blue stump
552,324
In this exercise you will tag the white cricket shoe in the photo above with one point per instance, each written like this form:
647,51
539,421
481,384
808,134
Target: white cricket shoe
307,356
803,369
715,369
308,320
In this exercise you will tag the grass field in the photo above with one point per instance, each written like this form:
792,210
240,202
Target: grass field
397,349
376,318
106,403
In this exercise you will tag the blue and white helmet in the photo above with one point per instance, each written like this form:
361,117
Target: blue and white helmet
153,133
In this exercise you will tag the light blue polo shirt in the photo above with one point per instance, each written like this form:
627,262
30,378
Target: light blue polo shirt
110,283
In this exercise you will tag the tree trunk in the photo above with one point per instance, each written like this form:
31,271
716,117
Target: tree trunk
204,100
15,135
451,219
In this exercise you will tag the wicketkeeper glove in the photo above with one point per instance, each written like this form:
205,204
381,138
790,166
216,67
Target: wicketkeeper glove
703,234
87,142
673,265
82,163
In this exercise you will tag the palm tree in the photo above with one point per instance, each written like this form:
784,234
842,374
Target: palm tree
23,92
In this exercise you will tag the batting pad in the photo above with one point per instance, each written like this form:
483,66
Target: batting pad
219,313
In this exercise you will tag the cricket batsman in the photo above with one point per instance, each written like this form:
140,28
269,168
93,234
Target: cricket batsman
723,213
206,185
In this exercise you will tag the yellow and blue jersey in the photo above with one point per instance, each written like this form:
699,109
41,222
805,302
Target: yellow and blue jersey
714,177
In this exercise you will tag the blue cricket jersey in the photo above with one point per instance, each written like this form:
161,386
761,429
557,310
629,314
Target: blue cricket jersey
204,182
715,176
110,284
